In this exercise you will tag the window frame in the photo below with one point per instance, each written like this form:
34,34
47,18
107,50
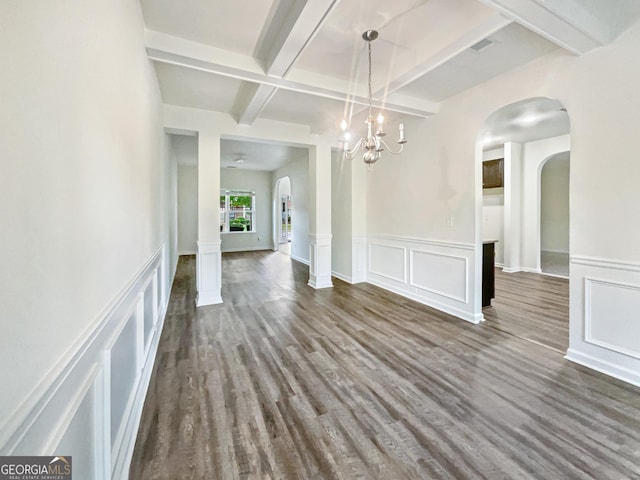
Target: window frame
226,210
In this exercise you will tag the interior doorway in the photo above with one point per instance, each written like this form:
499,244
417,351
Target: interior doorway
515,212
554,215
284,215
285,219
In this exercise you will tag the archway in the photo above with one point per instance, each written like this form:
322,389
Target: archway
282,216
554,215
521,138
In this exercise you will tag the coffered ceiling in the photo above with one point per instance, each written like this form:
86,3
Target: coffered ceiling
304,61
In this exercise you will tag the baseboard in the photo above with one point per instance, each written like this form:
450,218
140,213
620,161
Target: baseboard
602,366
344,278
456,312
530,270
247,249
187,252
299,259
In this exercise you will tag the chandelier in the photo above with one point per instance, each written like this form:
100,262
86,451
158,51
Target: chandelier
374,144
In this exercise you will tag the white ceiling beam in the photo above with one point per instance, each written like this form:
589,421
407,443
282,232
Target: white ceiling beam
473,34
291,27
166,55
251,100
567,23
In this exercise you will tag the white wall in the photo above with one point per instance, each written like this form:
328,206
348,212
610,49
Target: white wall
259,182
187,209
439,176
554,205
87,208
298,172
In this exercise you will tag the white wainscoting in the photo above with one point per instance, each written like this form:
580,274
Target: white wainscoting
435,273
320,261
605,318
91,405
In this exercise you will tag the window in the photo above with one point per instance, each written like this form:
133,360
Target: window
237,211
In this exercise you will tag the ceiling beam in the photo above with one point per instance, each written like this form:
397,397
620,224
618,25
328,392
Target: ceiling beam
567,23
250,101
200,59
466,39
290,28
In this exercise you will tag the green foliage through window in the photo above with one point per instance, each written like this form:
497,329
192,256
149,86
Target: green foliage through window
237,211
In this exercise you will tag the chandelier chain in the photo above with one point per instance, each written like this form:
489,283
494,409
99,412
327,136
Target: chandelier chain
370,89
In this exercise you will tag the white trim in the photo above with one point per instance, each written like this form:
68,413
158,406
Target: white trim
528,270
464,299
404,262
423,241
257,248
299,259
211,271
443,307
42,421
188,252
74,403
588,338
563,252
602,366
344,278
605,263
511,270
321,239
19,422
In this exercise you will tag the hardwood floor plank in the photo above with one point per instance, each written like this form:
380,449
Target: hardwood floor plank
284,381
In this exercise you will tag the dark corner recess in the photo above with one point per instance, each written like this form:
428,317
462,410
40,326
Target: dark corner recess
493,173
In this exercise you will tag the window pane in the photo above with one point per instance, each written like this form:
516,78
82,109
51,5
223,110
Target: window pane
240,202
223,224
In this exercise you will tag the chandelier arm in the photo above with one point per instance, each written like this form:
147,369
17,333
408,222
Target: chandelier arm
351,153
389,148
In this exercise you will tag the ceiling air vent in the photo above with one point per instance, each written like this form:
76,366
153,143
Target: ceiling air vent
481,45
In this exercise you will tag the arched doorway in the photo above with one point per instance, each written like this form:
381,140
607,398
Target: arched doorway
554,215
282,216
521,138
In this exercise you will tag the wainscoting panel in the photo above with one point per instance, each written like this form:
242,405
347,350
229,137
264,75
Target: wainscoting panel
604,327
89,406
388,261
611,316
445,275
435,273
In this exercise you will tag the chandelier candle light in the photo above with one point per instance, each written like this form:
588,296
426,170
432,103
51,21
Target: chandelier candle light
373,145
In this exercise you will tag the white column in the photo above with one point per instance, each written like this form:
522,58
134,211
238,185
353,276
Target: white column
209,256
359,256
320,216
512,207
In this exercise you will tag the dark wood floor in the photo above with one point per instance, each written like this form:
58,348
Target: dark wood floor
283,381
532,306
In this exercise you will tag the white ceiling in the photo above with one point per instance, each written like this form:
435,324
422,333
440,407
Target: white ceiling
304,61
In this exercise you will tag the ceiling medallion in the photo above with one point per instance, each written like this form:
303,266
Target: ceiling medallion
373,144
